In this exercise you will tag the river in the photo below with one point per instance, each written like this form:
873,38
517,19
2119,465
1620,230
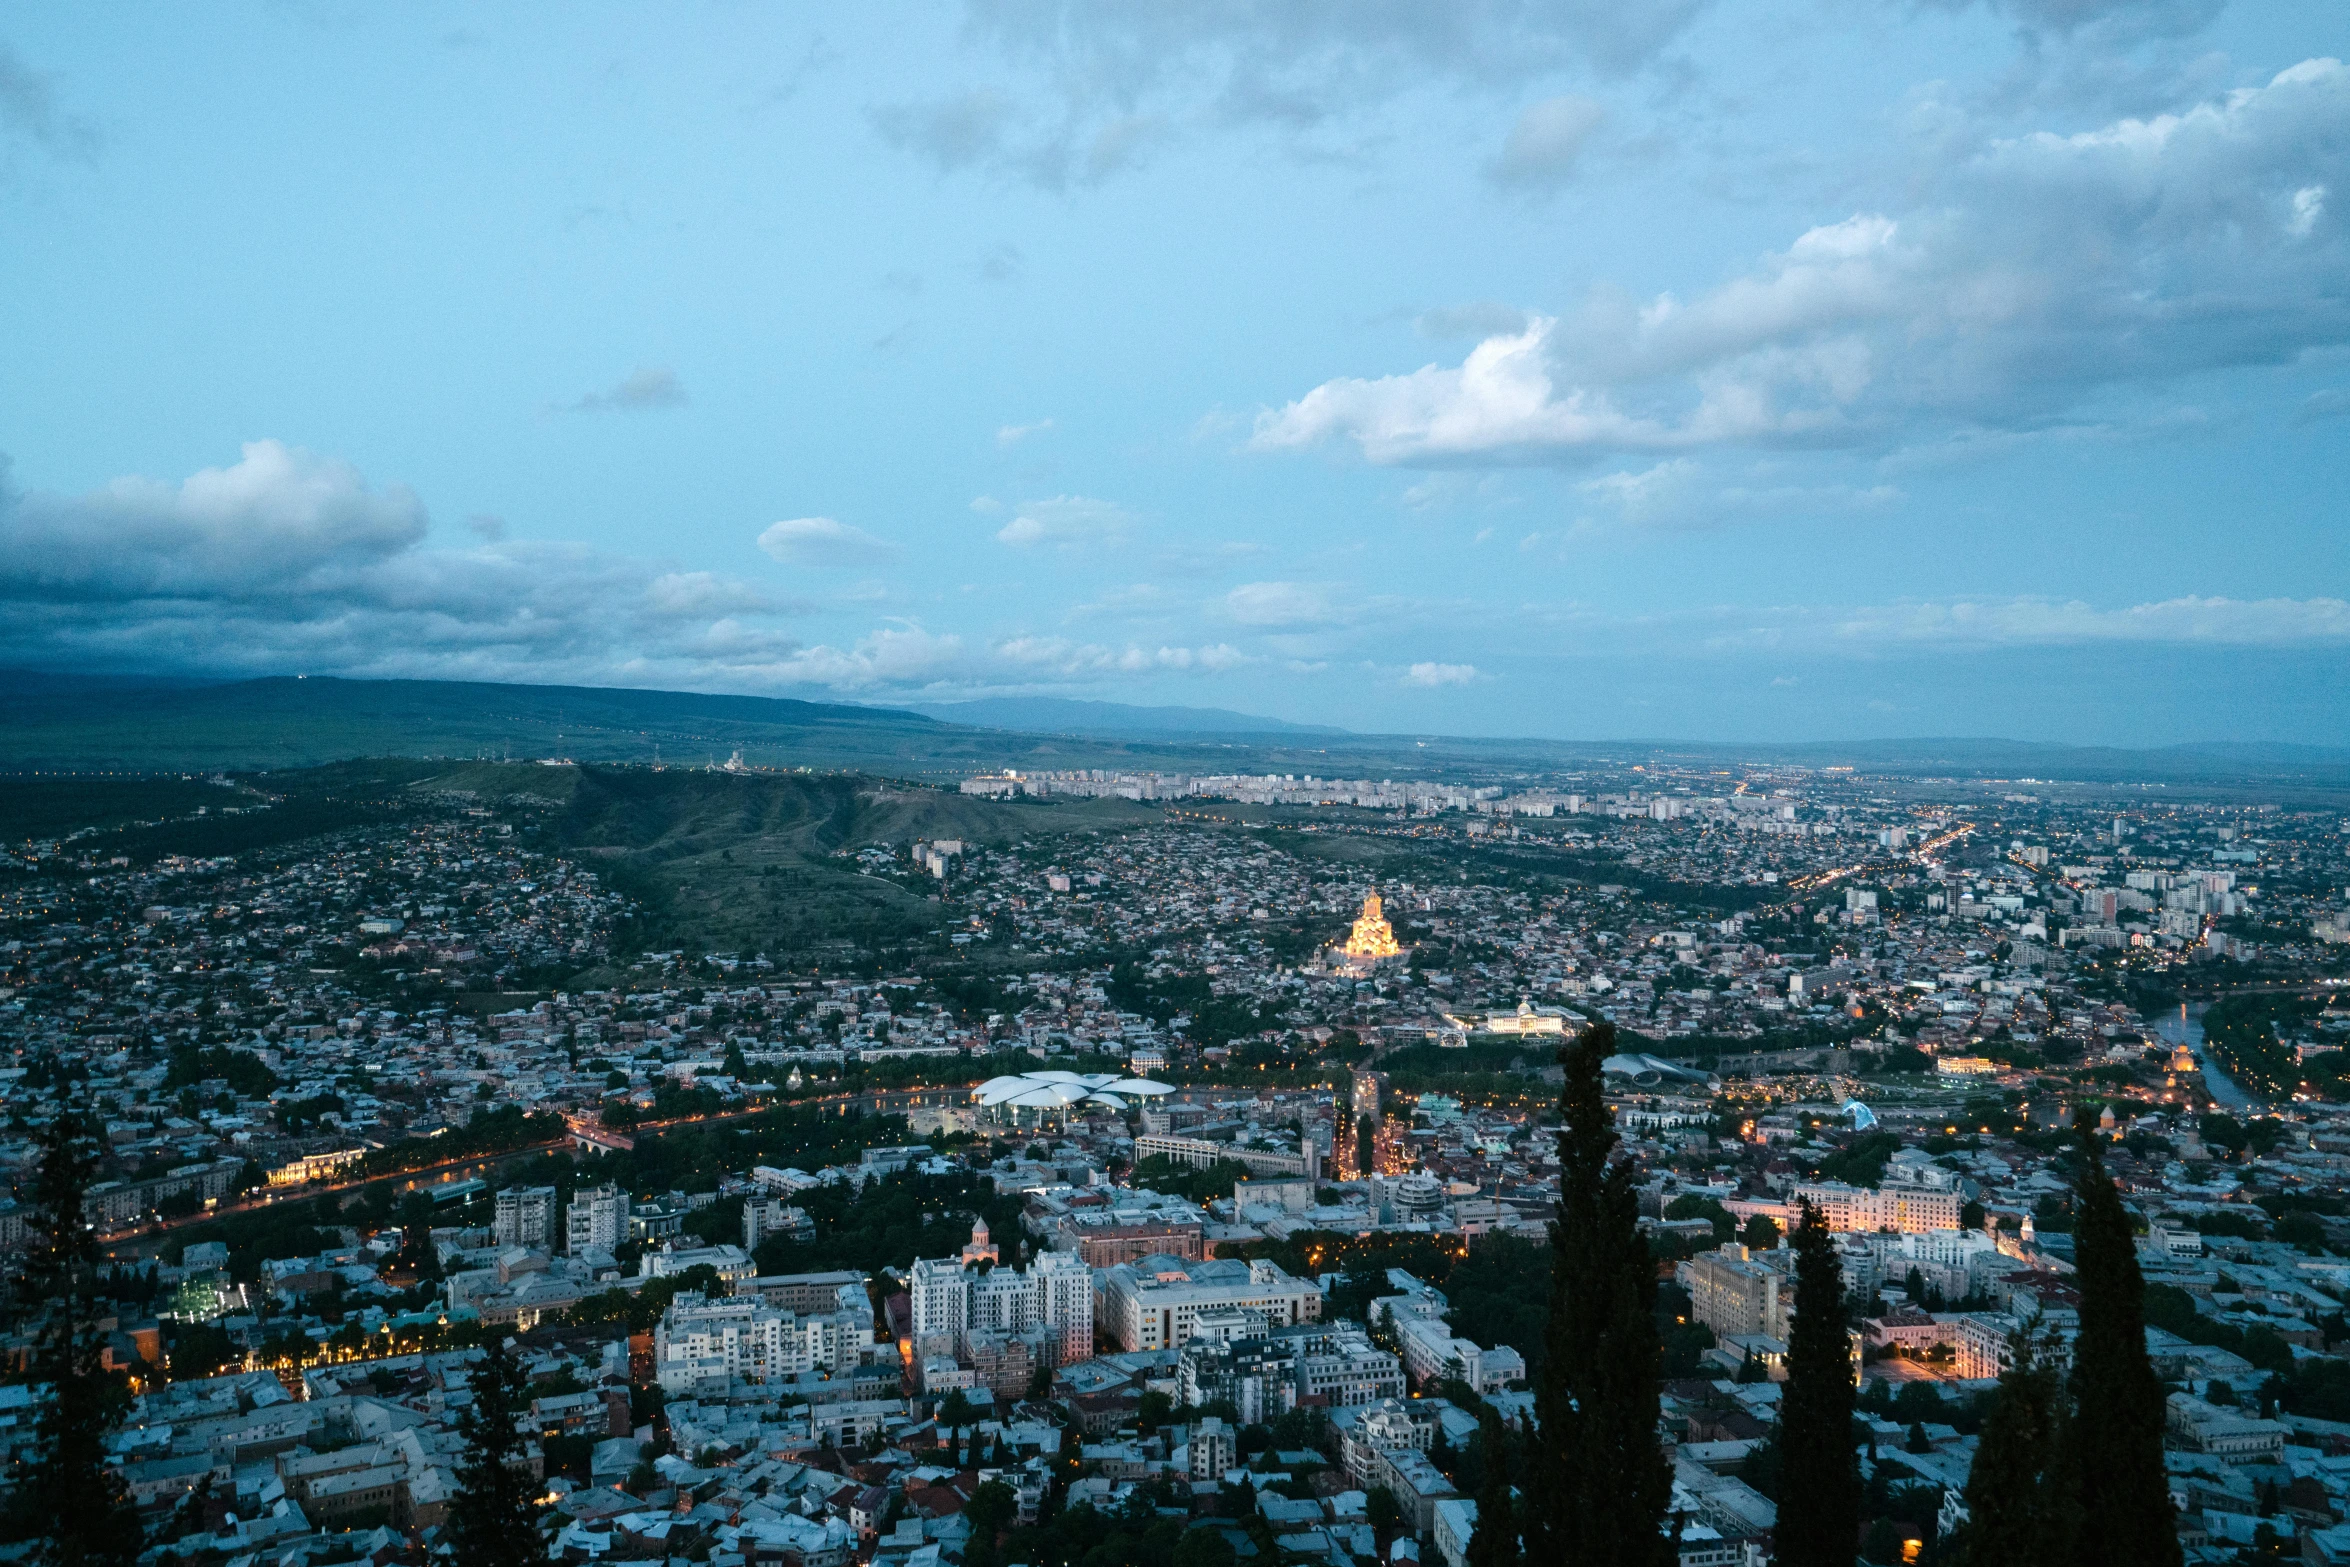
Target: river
2185,1027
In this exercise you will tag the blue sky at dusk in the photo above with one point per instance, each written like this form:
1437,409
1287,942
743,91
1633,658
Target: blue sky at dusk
1833,368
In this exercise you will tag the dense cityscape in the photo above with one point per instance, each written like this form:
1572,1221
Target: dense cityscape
1251,783
1187,1190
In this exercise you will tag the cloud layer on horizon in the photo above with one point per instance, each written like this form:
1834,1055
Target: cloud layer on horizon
289,562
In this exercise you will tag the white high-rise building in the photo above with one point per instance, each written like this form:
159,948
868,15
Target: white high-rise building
941,1299
951,1300
525,1217
596,1220
1064,1287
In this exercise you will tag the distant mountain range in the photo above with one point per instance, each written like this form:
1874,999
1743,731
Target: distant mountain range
96,723
1061,715
72,721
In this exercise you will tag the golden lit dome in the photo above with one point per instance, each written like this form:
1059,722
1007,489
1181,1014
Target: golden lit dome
1372,937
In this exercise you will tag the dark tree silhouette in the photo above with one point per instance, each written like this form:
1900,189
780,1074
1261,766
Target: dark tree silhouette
1495,1544
2126,1519
69,1500
1598,1486
2018,1514
1819,1496
491,1521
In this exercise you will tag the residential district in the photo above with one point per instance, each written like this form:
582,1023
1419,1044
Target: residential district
1193,1182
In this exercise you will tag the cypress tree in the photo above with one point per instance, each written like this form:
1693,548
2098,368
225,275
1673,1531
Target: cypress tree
490,1518
2017,1513
69,1500
1599,1485
1495,1544
1819,1489
2125,1512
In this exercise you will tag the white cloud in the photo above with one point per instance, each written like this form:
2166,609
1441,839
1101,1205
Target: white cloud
1649,495
1065,520
1276,606
277,518
2033,621
1501,401
2028,275
907,659
1679,493
692,594
289,561
645,388
1014,434
1543,146
2309,205
823,542
1955,627
1434,675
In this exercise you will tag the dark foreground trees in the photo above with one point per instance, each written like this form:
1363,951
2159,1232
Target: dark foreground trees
1819,1493
1598,1486
2116,1452
2070,1469
1495,1544
491,1518
2018,1505
68,1499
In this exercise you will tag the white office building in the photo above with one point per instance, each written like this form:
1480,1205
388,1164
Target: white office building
1907,1209
597,1219
525,1217
1432,1351
702,1344
764,1217
1156,1302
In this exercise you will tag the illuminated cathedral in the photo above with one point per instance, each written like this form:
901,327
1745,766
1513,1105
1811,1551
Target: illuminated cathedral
1372,939
1372,936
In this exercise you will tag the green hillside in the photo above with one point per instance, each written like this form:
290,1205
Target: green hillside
754,862
723,862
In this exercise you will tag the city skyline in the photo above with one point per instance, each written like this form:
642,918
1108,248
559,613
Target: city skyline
1719,371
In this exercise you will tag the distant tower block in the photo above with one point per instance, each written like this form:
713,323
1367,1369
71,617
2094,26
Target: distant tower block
1372,936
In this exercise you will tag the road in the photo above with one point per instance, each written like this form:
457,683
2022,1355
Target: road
143,1241
1917,856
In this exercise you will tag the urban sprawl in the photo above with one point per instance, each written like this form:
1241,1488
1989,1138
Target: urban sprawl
1198,1192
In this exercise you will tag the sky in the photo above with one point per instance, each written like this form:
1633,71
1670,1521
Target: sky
1817,369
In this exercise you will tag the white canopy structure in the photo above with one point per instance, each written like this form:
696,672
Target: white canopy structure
1052,1093
1649,1071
